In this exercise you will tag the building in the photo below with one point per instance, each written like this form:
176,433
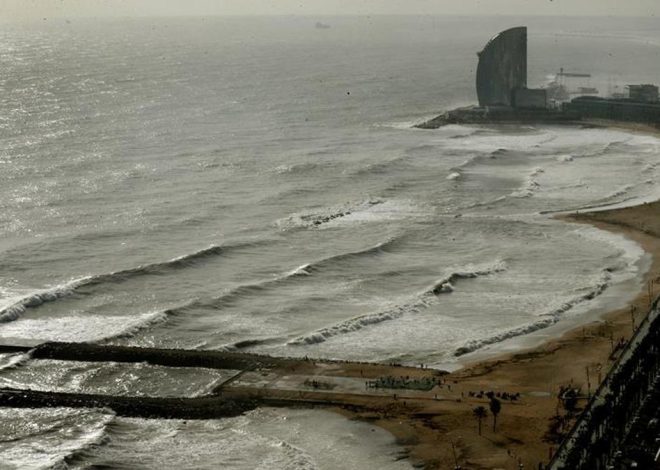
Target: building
502,68
526,98
504,96
614,109
643,93
502,73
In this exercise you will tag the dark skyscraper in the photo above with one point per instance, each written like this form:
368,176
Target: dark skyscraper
502,67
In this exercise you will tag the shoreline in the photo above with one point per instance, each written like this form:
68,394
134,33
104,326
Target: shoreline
435,427
436,433
427,429
615,296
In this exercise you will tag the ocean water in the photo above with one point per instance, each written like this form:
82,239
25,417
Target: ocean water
256,185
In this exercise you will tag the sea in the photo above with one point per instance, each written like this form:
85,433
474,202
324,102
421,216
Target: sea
256,184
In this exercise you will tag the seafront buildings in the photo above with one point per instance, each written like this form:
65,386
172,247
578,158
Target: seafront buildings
501,85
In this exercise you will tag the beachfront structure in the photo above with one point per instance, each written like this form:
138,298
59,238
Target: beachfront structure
643,93
594,107
502,67
504,96
526,98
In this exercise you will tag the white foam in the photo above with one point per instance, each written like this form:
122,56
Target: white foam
388,210
531,184
630,251
548,318
11,361
372,210
43,438
78,328
302,270
623,190
262,439
414,304
15,307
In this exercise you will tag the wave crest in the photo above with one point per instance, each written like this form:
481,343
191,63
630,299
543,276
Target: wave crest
422,300
548,319
12,361
302,271
531,184
35,299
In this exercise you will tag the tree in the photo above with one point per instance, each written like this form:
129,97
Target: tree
495,408
570,400
480,413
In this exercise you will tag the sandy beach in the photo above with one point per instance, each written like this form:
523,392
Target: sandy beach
439,429
436,425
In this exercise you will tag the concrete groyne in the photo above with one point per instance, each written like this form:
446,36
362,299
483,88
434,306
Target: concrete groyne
139,407
163,357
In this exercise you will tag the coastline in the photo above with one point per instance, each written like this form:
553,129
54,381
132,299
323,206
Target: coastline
428,412
427,427
440,432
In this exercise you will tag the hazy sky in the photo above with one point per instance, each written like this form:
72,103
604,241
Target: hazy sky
21,9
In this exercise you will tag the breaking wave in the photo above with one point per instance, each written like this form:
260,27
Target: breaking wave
480,158
528,189
500,153
297,273
67,435
614,146
11,361
301,168
387,166
35,299
470,132
649,167
379,248
548,319
99,434
250,343
13,311
420,301
146,321
622,191
531,185
314,219
81,327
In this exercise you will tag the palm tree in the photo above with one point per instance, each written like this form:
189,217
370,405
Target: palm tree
495,408
480,413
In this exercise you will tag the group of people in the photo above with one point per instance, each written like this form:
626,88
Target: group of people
407,382
315,384
490,395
